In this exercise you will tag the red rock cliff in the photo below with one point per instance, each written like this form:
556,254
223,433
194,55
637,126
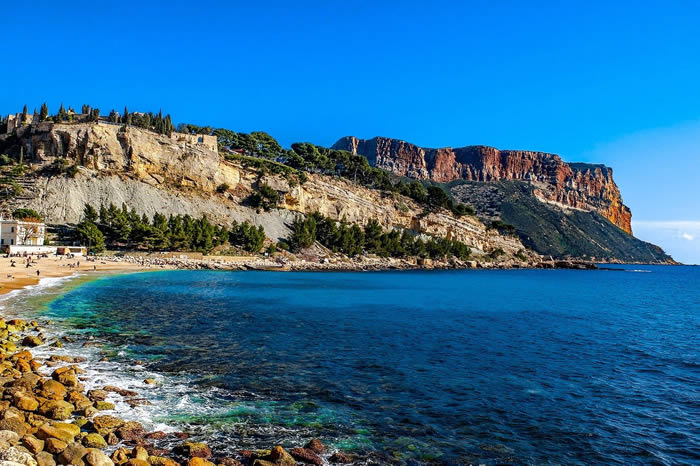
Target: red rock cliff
575,185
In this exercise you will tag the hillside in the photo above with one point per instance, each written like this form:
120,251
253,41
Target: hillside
557,208
157,173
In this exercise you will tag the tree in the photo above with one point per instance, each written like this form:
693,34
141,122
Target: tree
91,236
44,113
266,197
29,231
24,115
26,214
90,214
126,118
61,113
303,233
437,197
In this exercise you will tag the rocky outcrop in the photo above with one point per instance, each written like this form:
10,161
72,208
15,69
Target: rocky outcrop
154,173
570,185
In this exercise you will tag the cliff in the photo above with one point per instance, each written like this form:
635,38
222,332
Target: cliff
155,173
570,185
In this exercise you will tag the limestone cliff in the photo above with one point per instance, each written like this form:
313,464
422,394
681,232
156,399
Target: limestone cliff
156,173
570,185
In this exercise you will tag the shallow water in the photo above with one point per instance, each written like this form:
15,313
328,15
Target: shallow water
525,366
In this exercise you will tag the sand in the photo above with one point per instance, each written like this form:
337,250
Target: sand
14,278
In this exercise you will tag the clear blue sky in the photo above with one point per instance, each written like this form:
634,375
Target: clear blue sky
611,82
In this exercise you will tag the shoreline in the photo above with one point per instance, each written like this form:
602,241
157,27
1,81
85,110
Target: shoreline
56,409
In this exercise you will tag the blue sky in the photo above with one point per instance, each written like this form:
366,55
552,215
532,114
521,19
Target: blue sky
610,82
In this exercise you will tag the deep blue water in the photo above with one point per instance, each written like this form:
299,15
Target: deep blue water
522,366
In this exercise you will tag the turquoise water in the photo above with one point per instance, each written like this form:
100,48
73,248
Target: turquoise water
493,366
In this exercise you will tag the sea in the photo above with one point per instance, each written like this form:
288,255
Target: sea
403,367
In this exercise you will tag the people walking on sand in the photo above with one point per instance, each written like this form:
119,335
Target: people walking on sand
37,273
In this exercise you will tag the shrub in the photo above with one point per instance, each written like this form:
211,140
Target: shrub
266,197
222,188
6,160
21,214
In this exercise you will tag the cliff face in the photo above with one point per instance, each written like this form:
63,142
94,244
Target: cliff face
570,185
154,173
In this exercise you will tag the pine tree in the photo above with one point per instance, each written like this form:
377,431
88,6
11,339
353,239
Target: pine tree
44,112
24,115
126,117
61,113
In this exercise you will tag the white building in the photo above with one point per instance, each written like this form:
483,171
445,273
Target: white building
21,233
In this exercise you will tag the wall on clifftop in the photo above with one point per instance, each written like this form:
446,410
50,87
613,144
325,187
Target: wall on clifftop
578,186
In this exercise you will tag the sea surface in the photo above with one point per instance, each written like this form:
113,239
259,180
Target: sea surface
512,366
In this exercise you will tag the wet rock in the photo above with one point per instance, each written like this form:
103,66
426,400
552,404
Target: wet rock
139,453
44,458
315,446
158,435
94,441
192,449
227,461
33,444
32,341
55,446
120,455
73,454
305,455
279,456
180,435
112,439
79,400
120,391
66,376
97,395
106,424
104,405
131,430
61,358
134,402
339,457
27,382
57,409
150,381
95,457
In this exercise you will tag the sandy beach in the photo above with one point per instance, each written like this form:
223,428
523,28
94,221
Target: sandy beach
19,276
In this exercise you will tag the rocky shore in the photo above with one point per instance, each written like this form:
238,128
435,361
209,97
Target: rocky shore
47,417
341,264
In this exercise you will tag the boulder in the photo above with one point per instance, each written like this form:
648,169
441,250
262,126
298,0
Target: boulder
95,457
33,444
162,461
9,436
97,395
94,441
73,454
196,461
339,457
120,455
315,446
139,453
16,455
306,455
279,456
192,449
46,432
14,424
57,409
25,402
53,390
136,462
131,430
32,341
55,446
106,424
44,458
104,405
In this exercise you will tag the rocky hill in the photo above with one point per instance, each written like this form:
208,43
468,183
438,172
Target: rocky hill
171,175
577,185
558,208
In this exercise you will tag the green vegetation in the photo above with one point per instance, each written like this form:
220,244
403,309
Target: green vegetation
222,188
504,228
265,197
124,228
26,214
352,240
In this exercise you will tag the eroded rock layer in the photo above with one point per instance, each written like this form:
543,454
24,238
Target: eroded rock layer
571,185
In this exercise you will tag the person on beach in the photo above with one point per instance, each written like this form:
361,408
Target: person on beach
37,273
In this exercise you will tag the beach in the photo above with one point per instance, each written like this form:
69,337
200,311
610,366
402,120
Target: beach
20,276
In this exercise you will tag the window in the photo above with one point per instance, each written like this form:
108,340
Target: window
200,139
12,229
2,241
12,241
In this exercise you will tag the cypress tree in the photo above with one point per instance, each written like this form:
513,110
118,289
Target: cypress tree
126,116
24,115
44,112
